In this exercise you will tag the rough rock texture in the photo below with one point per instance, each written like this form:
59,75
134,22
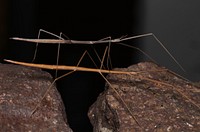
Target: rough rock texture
21,89
153,99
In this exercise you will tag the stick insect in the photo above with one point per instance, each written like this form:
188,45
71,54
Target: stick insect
98,70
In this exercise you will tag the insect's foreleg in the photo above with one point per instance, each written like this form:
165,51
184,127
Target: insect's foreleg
161,44
39,33
138,49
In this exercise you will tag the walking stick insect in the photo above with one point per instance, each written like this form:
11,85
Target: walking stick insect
100,70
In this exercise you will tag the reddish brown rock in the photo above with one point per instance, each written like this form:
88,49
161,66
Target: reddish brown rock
154,100
21,89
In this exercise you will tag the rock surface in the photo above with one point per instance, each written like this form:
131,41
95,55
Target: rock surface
21,89
153,99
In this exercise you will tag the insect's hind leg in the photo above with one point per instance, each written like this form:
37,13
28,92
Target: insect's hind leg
117,93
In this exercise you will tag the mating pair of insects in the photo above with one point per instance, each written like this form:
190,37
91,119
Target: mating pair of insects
100,70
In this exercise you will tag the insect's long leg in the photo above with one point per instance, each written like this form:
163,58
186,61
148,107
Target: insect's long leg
138,49
103,57
109,62
95,51
58,56
36,47
121,99
39,33
58,51
91,59
159,42
47,91
56,79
